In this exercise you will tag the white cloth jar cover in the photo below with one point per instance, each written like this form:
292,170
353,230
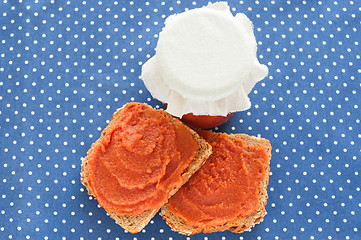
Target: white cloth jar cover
205,62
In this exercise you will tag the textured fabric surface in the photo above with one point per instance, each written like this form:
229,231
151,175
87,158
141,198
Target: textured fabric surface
66,66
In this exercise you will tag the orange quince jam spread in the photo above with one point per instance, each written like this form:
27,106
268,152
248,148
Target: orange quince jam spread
226,187
138,160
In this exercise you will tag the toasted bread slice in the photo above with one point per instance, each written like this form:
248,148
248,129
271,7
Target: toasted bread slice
241,224
136,223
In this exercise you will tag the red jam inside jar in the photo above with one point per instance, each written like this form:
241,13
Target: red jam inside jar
203,121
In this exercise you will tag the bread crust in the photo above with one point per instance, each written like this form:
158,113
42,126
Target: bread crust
135,223
241,224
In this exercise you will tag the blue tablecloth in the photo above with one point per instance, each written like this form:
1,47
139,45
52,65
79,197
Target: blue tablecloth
66,66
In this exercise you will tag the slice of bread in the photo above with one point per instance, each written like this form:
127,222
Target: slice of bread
241,224
136,223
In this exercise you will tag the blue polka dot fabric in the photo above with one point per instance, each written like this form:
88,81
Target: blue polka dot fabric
66,66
